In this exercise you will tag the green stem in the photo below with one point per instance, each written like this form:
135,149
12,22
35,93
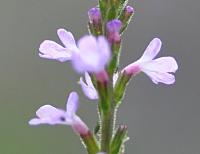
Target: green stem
107,120
90,143
106,132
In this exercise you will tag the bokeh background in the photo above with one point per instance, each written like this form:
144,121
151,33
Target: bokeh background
161,119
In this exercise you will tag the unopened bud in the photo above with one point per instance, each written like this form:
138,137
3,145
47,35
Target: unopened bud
126,16
94,15
95,24
118,139
113,30
128,11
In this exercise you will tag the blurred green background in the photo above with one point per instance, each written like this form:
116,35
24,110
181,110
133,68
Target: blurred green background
161,119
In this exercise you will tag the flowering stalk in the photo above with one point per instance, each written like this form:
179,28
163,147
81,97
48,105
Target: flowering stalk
97,56
106,114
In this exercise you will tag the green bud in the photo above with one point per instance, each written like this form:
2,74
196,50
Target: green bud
120,87
118,139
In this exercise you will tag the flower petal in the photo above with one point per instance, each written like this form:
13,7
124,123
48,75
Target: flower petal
93,56
72,104
152,50
89,52
88,89
67,38
164,64
88,79
48,114
104,48
47,111
157,77
36,121
51,50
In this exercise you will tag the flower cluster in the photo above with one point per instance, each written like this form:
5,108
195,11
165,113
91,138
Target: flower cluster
96,57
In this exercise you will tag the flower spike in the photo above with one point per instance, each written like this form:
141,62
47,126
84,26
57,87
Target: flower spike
159,70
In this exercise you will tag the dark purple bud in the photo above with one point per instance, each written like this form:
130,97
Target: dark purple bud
114,26
113,30
94,15
129,11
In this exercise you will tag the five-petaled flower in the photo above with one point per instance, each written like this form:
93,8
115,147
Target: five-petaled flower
159,70
90,54
48,114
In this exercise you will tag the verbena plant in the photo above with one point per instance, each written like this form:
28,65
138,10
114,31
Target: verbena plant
96,56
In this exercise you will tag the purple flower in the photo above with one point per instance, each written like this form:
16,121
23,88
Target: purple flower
88,87
48,114
91,54
159,70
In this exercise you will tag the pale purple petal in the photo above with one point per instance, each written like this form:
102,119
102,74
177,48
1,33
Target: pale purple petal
104,48
72,104
48,114
88,87
88,79
51,50
67,38
36,121
94,54
152,50
89,54
48,111
157,77
163,64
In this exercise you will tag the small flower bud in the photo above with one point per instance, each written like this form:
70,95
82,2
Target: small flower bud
120,86
95,24
113,28
94,15
126,16
128,12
